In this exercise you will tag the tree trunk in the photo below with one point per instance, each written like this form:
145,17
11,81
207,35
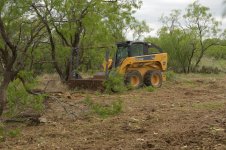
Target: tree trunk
191,57
2,98
199,59
3,89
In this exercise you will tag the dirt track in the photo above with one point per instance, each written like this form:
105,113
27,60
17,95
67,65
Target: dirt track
189,113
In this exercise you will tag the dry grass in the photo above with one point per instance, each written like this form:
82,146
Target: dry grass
212,105
219,63
51,83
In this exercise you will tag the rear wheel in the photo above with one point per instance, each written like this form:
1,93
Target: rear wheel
134,78
153,78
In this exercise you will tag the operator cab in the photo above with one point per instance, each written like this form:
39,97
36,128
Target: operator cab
133,49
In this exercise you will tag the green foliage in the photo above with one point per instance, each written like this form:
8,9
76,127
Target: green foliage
19,99
97,93
203,25
177,45
14,133
187,45
150,88
115,82
170,75
104,110
41,60
29,78
98,24
214,63
22,31
139,29
8,133
217,52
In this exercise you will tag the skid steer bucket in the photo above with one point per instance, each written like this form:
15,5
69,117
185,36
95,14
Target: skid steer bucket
95,83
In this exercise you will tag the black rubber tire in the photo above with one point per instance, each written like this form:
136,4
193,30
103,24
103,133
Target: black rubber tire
129,76
153,74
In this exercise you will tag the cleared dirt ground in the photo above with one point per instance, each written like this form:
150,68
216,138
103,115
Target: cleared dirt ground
186,113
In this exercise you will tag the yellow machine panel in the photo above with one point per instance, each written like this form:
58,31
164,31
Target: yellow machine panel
142,69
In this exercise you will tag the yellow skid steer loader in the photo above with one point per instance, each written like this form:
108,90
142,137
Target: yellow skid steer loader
141,63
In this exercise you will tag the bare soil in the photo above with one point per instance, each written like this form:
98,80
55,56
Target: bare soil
186,113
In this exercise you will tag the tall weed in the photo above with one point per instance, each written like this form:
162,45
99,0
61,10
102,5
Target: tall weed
115,83
104,110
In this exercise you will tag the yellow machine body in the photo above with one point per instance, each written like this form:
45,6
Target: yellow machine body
154,64
159,62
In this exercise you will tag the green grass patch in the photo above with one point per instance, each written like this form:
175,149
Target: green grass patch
150,88
4,133
14,133
104,111
209,105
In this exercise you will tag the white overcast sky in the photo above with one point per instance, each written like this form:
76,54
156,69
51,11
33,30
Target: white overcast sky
152,10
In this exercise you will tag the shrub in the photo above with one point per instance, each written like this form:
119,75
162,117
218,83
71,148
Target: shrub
104,110
218,52
18,99
150,88
170,75
115,82
210,69
207,70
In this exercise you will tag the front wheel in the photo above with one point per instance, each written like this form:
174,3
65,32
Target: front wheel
134,79
153,78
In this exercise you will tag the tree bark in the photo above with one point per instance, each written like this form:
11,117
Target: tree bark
3,88
191,57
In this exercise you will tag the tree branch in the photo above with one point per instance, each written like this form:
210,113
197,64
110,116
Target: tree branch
56,28
5,36
9,44
52,43
25,86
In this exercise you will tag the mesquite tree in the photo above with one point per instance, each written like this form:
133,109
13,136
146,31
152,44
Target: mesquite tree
187,37
19,32
73,23
200,21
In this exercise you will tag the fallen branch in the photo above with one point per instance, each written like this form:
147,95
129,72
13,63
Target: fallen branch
29,118
62,105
